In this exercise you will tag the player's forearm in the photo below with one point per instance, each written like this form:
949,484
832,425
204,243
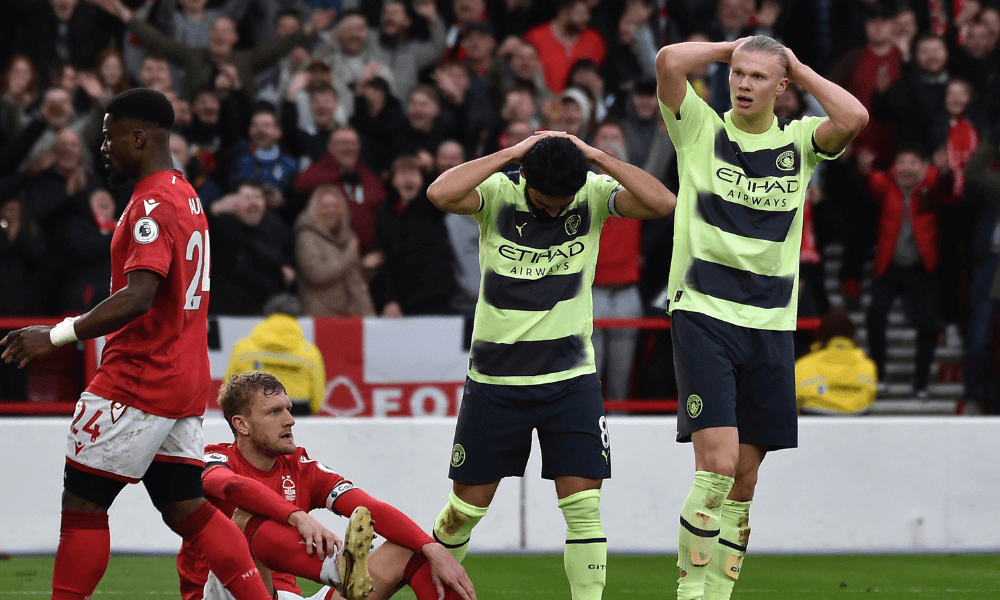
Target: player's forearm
654,198
117,311
452,186
685,57
388,521
845,112
248,494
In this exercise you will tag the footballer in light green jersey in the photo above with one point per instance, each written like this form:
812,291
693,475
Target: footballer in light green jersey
531,365
734,281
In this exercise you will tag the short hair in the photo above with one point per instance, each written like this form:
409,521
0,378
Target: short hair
836,322
404,162
911,148
324,88
555,167
237,392
427,90
766,45
286,304
929,36
142,104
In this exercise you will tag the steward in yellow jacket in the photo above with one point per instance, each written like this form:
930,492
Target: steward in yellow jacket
278,347
836,378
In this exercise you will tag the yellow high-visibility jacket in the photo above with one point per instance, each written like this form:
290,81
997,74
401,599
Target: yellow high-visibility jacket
838,379
278,347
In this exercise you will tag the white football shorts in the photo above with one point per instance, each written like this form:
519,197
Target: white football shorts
118,441
214,590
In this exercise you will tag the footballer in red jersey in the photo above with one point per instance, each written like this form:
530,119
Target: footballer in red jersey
140,419
269,485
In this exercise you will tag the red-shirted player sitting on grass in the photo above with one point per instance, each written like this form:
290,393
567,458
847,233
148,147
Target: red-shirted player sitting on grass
265,482
140,417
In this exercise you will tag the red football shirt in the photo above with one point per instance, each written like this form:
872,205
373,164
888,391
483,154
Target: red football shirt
158,363
557,59
295,477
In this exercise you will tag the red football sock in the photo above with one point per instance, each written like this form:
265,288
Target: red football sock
82,556
280,548
418,575
221,542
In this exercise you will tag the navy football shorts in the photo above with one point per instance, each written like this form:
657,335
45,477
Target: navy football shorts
732,376
493,436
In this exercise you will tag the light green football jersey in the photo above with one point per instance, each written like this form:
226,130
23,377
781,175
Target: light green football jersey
738,221
535,313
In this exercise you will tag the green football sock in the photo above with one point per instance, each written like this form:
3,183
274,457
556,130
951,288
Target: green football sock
586,554
699,530
727,556
453,527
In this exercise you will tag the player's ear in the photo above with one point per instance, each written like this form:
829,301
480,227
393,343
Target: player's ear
240,425
138,138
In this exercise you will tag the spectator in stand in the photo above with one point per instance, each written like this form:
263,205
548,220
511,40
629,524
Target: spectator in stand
418,276
466,14
202,64
18,92
917,99
298,89
564,40
870,69
333,274
521,69
573,113
904,31
426,126
961,138
984,293
215,125
616,281
251,253
154,73
351,51
977,63
342,166
194,170
306,146
822,31
85,235
24,264
586,76
261,15
480,45
649,146
907,256
69,30
520,107
277,346
378,118
263,161
183,117
189,22
465,109
632,52
731,22
110,72
58,103
836,377
463,234
405,54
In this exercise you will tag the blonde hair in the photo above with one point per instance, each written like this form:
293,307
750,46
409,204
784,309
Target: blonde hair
765,45
241,388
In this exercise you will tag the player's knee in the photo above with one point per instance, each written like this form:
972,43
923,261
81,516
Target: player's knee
582,512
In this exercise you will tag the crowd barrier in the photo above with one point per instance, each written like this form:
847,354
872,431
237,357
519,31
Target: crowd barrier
374,367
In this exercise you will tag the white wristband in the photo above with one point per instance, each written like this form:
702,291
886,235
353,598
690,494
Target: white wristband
64,332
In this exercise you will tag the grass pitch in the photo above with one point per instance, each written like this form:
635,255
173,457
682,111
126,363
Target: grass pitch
771,577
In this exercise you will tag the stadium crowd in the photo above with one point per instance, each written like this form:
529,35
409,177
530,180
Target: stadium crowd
310,130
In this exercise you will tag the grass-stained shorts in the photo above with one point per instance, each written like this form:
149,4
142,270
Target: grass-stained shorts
493,436
732,376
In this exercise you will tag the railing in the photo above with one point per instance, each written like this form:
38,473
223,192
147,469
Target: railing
630,405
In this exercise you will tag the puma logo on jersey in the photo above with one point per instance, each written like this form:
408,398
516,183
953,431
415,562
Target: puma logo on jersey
150,205
519,228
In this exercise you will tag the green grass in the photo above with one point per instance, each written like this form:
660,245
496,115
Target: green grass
813,577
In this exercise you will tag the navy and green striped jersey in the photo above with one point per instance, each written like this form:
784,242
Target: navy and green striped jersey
536,313
738,221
